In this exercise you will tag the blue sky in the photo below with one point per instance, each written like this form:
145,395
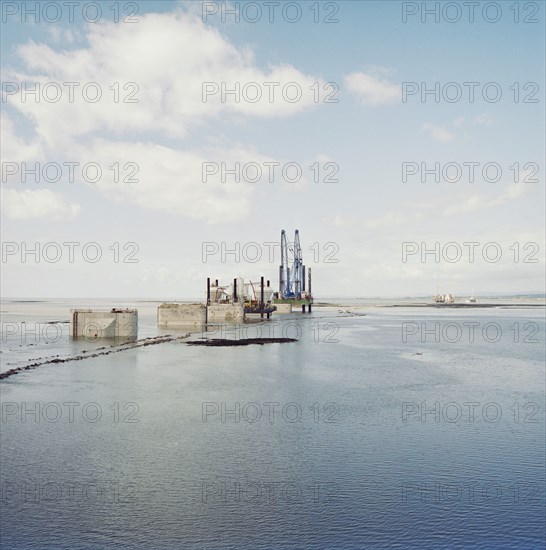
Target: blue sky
368,134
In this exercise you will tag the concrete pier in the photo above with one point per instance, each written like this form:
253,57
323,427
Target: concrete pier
172,315
104,323
176,315
231,312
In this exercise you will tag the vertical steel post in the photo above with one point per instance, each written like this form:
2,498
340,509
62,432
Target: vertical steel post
262,297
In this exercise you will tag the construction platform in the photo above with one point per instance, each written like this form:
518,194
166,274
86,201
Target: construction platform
224,303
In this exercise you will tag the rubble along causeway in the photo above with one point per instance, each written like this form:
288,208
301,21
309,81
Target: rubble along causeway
151,341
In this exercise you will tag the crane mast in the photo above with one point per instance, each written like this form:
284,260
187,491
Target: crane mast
291,270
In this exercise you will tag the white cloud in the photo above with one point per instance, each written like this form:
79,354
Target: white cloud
169,57
482,119
342,220
388,220
171,180
372,90
58,34
13,148
38,204
437,133
392,219
480,202
459,121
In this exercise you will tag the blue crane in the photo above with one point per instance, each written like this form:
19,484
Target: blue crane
291,270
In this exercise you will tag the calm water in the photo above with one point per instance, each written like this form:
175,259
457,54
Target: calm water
378,440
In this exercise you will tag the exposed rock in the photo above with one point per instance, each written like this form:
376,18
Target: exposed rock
219,342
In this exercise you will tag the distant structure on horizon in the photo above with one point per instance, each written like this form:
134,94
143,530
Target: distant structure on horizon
443,298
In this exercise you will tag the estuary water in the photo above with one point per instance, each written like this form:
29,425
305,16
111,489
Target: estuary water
379,428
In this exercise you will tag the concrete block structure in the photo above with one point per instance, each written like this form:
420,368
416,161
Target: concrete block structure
176,315
104,323
230,312
181,315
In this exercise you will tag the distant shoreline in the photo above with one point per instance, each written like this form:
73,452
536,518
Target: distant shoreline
463,305
437,306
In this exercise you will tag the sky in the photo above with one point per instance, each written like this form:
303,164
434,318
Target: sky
405,145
